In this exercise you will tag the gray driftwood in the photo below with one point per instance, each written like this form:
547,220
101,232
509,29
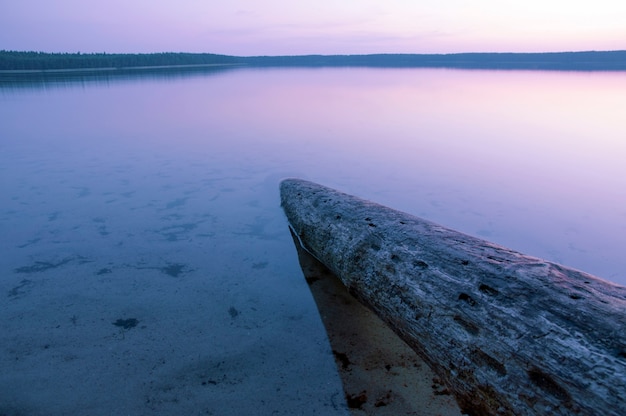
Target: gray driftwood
510,334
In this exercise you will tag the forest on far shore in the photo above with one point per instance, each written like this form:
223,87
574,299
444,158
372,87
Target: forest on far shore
14,60
585,61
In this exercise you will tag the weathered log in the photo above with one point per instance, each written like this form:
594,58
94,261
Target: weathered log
510,334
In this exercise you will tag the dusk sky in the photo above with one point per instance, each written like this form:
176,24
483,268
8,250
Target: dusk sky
279,27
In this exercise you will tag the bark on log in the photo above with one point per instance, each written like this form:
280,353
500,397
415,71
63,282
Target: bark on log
510,334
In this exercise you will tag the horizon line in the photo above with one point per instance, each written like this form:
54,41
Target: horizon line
320,54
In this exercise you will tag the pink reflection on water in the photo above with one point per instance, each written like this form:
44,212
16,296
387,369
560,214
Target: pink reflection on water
532,160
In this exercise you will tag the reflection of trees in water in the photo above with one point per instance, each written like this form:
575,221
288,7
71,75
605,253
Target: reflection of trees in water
68,78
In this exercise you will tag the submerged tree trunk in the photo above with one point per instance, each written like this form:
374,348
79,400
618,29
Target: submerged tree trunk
510,334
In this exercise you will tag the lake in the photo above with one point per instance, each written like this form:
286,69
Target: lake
145,253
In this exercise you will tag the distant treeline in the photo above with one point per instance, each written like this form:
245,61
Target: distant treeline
12,60
610,60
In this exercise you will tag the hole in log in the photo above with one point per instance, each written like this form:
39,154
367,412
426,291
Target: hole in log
622,354
402,222
486,360
420,264
467,298
338,217
395,258
575,296
368,219
372,224
497,260
547,384
468,326
488,290
464,262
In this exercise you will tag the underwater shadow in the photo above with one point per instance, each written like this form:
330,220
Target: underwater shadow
381,374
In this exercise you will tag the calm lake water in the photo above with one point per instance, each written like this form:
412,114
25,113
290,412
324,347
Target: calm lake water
140,215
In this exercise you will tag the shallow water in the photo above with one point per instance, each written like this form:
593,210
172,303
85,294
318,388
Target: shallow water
156,199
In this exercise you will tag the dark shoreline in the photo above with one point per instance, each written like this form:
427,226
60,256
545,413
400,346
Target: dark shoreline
12,62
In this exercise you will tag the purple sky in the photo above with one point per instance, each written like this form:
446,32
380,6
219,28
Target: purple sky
273,27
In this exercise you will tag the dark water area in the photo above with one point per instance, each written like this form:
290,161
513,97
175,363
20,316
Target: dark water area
145,253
